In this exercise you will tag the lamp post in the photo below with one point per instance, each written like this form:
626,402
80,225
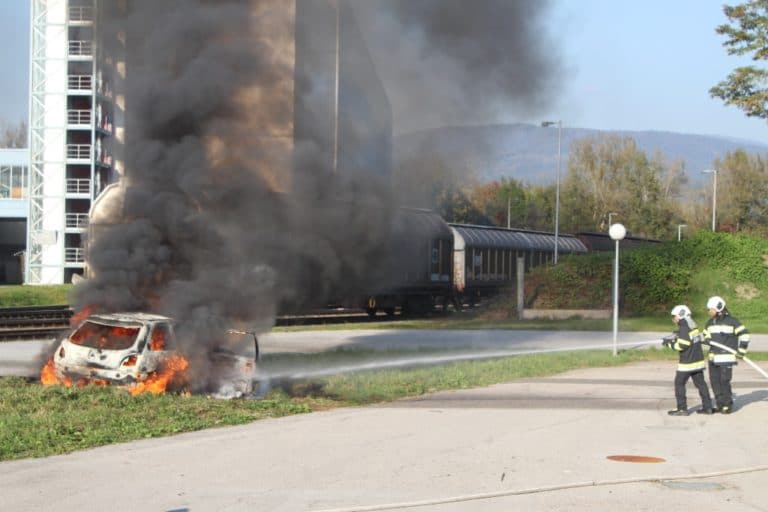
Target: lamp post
679,228
713,172
557,183
616,232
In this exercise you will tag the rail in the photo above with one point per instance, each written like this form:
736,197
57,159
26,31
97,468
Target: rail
80,48
80,82
74,255
34,322
79,13
76,220
78,186
79,116
45,322
79,151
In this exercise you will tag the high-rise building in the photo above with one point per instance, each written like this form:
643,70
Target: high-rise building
75,112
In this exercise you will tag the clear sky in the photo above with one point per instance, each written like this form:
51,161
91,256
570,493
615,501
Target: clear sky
629,66
647,66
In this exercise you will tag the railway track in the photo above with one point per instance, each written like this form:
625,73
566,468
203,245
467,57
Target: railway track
42,322
33,322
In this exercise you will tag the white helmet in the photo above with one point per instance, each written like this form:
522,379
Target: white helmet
681,311
716,303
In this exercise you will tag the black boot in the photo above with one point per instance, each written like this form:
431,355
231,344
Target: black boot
680,411
706,410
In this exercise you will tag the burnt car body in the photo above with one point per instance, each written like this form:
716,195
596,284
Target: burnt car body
128,348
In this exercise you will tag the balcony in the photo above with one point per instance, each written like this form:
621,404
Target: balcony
77,221
81,50
80,84
80,152
78,186
79,118
105,125
81,15
74,255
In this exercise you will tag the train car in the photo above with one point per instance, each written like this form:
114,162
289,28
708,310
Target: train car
416,273
485,257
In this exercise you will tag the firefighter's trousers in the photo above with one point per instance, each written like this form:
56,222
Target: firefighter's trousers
720,376
681,378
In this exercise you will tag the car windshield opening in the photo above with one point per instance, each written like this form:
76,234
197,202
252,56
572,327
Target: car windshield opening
105,337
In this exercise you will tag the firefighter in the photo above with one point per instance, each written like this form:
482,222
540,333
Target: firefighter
687,341
728,331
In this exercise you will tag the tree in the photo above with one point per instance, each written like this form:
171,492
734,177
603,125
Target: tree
743,191
497,199
610,174
13,136
747,34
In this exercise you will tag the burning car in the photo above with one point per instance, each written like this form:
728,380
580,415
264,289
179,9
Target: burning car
140,350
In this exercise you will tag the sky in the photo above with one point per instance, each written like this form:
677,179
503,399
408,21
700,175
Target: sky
625,66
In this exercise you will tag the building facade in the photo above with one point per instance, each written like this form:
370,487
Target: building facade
75,114
14,205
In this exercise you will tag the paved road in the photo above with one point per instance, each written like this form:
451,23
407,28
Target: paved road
538,444
23,358
387,348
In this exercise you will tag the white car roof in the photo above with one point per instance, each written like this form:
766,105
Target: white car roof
129,317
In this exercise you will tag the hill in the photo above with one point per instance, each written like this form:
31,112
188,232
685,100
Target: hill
529,153
655,278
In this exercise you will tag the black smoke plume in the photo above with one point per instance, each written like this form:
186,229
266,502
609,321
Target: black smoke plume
211,230
453,62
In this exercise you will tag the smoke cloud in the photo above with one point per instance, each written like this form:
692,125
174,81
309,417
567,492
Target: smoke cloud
452,62
210,229
234,203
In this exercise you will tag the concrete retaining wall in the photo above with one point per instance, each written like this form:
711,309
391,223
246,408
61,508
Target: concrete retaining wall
562,314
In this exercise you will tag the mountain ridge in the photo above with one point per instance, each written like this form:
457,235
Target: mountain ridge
528,153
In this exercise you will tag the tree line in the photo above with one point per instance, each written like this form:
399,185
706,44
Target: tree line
605,178
13,136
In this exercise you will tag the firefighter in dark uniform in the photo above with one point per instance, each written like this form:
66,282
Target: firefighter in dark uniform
724,329
687,341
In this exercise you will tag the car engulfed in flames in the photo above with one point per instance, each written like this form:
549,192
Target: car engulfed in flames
140,351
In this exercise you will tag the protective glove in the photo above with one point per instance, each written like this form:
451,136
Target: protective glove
741,353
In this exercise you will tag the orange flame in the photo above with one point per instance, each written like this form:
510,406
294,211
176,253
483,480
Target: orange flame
174,371
48,376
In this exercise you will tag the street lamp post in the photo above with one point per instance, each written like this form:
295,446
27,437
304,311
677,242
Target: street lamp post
679,228
557,183
713,172
617,232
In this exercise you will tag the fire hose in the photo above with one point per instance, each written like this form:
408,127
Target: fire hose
743,357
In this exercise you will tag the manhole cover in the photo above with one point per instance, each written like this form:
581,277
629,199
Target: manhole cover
636,458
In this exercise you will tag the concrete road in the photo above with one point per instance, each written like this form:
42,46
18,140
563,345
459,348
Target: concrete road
23,358
539,444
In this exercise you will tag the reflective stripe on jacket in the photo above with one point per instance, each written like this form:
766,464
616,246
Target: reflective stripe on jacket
688,343
726,330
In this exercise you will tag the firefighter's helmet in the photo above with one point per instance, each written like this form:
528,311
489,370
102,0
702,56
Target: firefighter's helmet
716,303
681,310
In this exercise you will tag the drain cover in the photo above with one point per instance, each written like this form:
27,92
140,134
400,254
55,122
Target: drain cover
635,458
